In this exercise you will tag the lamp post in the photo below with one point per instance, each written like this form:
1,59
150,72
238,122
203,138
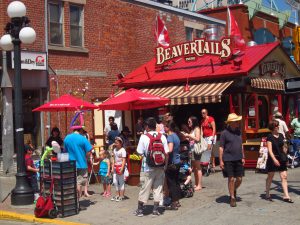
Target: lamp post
17,32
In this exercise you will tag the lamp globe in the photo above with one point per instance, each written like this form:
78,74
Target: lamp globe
27,35
16,9
6,42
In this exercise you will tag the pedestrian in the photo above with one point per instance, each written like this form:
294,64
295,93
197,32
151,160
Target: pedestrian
118,167
172,171
85,134
296,126
139,128
31,171
112,134
79,149
208,127
125,134
154,176
107,128
105,173
55,136
277,160
193,137
232,157
283,129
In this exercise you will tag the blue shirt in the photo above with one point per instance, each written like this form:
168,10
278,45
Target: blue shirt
77,146
112,136
174,155
103,167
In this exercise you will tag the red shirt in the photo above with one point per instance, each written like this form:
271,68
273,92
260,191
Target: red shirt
29,162
207,127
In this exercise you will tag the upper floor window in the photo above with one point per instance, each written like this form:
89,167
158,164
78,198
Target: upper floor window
76,24
263,36
55,24
189,33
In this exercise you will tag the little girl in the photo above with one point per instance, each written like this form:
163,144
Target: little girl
104,172
118,169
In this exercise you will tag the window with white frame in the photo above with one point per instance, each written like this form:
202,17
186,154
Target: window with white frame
55,23
76,25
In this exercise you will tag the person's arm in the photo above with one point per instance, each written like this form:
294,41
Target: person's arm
31,169
221,149
171,146
213,125
108,167
276,162
112,163
243,155
197,135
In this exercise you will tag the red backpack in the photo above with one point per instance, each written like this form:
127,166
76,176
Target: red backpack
156,156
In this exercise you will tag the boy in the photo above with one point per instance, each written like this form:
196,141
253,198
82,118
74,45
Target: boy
31,171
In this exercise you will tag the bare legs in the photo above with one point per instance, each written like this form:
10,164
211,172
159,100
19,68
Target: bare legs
233,185
198,174
284,184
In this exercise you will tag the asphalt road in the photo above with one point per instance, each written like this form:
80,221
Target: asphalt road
208,206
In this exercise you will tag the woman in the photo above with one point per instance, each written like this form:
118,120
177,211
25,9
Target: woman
208,127
277,160
172,172
193,137
55,136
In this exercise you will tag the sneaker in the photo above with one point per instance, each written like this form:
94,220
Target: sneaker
138,213
155,213
114,198
119,199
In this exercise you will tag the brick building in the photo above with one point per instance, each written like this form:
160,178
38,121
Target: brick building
87,44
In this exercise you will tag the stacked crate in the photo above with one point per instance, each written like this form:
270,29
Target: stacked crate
65,185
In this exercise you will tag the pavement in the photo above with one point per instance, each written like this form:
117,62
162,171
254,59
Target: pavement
209,206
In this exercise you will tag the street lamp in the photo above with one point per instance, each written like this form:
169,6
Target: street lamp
17,31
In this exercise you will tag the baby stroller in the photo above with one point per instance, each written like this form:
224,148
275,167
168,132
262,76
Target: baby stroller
294,153
205,162
187,190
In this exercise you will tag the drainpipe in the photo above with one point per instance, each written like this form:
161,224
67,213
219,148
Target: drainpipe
7,119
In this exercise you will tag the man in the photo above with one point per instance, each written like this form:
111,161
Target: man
154,176
283,129
139,127
107,128
78,148
296,126
232,157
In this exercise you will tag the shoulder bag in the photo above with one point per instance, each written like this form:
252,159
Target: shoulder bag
200,146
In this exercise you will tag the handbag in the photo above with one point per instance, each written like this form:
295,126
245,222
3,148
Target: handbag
200,146
118,169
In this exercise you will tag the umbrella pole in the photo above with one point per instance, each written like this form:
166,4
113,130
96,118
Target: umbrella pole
66,117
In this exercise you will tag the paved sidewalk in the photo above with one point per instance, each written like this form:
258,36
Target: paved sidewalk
208,206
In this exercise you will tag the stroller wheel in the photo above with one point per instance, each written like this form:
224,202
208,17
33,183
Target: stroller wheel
52,213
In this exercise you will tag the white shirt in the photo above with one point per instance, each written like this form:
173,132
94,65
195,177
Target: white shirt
119,155
282,129
143,145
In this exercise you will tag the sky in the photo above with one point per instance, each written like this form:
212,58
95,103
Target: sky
282,5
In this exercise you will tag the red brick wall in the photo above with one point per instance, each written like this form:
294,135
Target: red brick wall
261,20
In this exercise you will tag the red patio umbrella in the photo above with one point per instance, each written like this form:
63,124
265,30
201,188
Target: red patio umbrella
133,99
65,103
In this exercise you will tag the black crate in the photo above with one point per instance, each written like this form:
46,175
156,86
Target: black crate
65,185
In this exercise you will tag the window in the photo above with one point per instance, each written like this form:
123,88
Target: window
198,33
76,24
263,36
55,24
189,33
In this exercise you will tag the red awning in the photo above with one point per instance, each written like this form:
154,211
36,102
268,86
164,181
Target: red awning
201,69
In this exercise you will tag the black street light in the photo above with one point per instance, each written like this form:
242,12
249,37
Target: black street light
17,32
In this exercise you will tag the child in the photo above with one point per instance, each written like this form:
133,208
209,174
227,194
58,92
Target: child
31,171
104,172
186,169
118,167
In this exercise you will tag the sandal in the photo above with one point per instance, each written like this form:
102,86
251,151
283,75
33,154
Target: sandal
288,200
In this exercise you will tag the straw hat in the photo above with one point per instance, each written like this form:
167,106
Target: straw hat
232,117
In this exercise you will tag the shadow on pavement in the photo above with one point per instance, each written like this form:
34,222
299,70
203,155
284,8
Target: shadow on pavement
148,209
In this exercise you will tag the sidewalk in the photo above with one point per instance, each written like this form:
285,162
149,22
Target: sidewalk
209,205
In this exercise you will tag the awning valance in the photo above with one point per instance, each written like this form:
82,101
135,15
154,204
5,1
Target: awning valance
267,84
208,92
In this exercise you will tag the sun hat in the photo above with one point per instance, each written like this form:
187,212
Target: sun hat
119,139
232,117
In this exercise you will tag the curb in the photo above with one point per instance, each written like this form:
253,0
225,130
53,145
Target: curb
6,215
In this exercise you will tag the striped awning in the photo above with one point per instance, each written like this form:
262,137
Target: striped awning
209,92
267,84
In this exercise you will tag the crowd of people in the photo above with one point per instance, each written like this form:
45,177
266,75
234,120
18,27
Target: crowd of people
161,145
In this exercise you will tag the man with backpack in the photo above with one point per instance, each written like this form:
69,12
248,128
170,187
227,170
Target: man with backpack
154,147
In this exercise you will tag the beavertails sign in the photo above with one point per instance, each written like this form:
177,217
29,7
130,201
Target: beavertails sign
192,50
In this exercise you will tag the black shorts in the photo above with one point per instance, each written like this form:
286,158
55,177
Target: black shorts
233,169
